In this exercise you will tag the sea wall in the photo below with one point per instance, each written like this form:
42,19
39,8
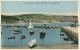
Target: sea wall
36,26
72,32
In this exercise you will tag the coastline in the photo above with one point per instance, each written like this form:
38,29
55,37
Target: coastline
32,23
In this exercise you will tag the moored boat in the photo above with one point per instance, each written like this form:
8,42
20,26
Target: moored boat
16,32
31,32
32,43
22,37
61,34
66,39
70,42
11,37
42,33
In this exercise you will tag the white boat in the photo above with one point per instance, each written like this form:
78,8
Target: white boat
30,25
15,28
70,42
32,43
62,36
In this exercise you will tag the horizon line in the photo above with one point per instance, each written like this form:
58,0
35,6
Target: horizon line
67,14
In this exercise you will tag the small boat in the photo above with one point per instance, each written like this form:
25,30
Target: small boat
30,25
70,42
17,29
61,34
32,43
22,37
39,26
61,31
66,39
1,32
16,32
42,33
11,37
31,32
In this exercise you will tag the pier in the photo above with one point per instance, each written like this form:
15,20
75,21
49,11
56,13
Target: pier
72,32
36,26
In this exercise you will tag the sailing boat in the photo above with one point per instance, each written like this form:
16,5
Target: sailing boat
30,26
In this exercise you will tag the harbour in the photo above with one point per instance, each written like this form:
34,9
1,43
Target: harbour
52,36
39,25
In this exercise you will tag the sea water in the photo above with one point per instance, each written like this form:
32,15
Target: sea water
52,36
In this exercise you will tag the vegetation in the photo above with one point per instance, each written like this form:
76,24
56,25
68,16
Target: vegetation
9,19
15,18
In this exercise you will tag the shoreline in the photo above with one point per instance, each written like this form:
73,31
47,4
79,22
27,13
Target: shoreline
64,46
32,23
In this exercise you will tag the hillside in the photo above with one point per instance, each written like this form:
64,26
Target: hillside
15,18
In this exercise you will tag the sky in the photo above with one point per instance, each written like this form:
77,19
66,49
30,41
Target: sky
27,7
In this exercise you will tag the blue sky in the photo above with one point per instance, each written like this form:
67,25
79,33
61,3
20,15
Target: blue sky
21,7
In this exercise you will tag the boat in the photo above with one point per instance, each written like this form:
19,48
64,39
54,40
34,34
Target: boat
66,39
16,32
42,33
1,32
11,37
22,37
31,32
61,34
32,43
61,31
70,42
16,29
30,25
39,26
